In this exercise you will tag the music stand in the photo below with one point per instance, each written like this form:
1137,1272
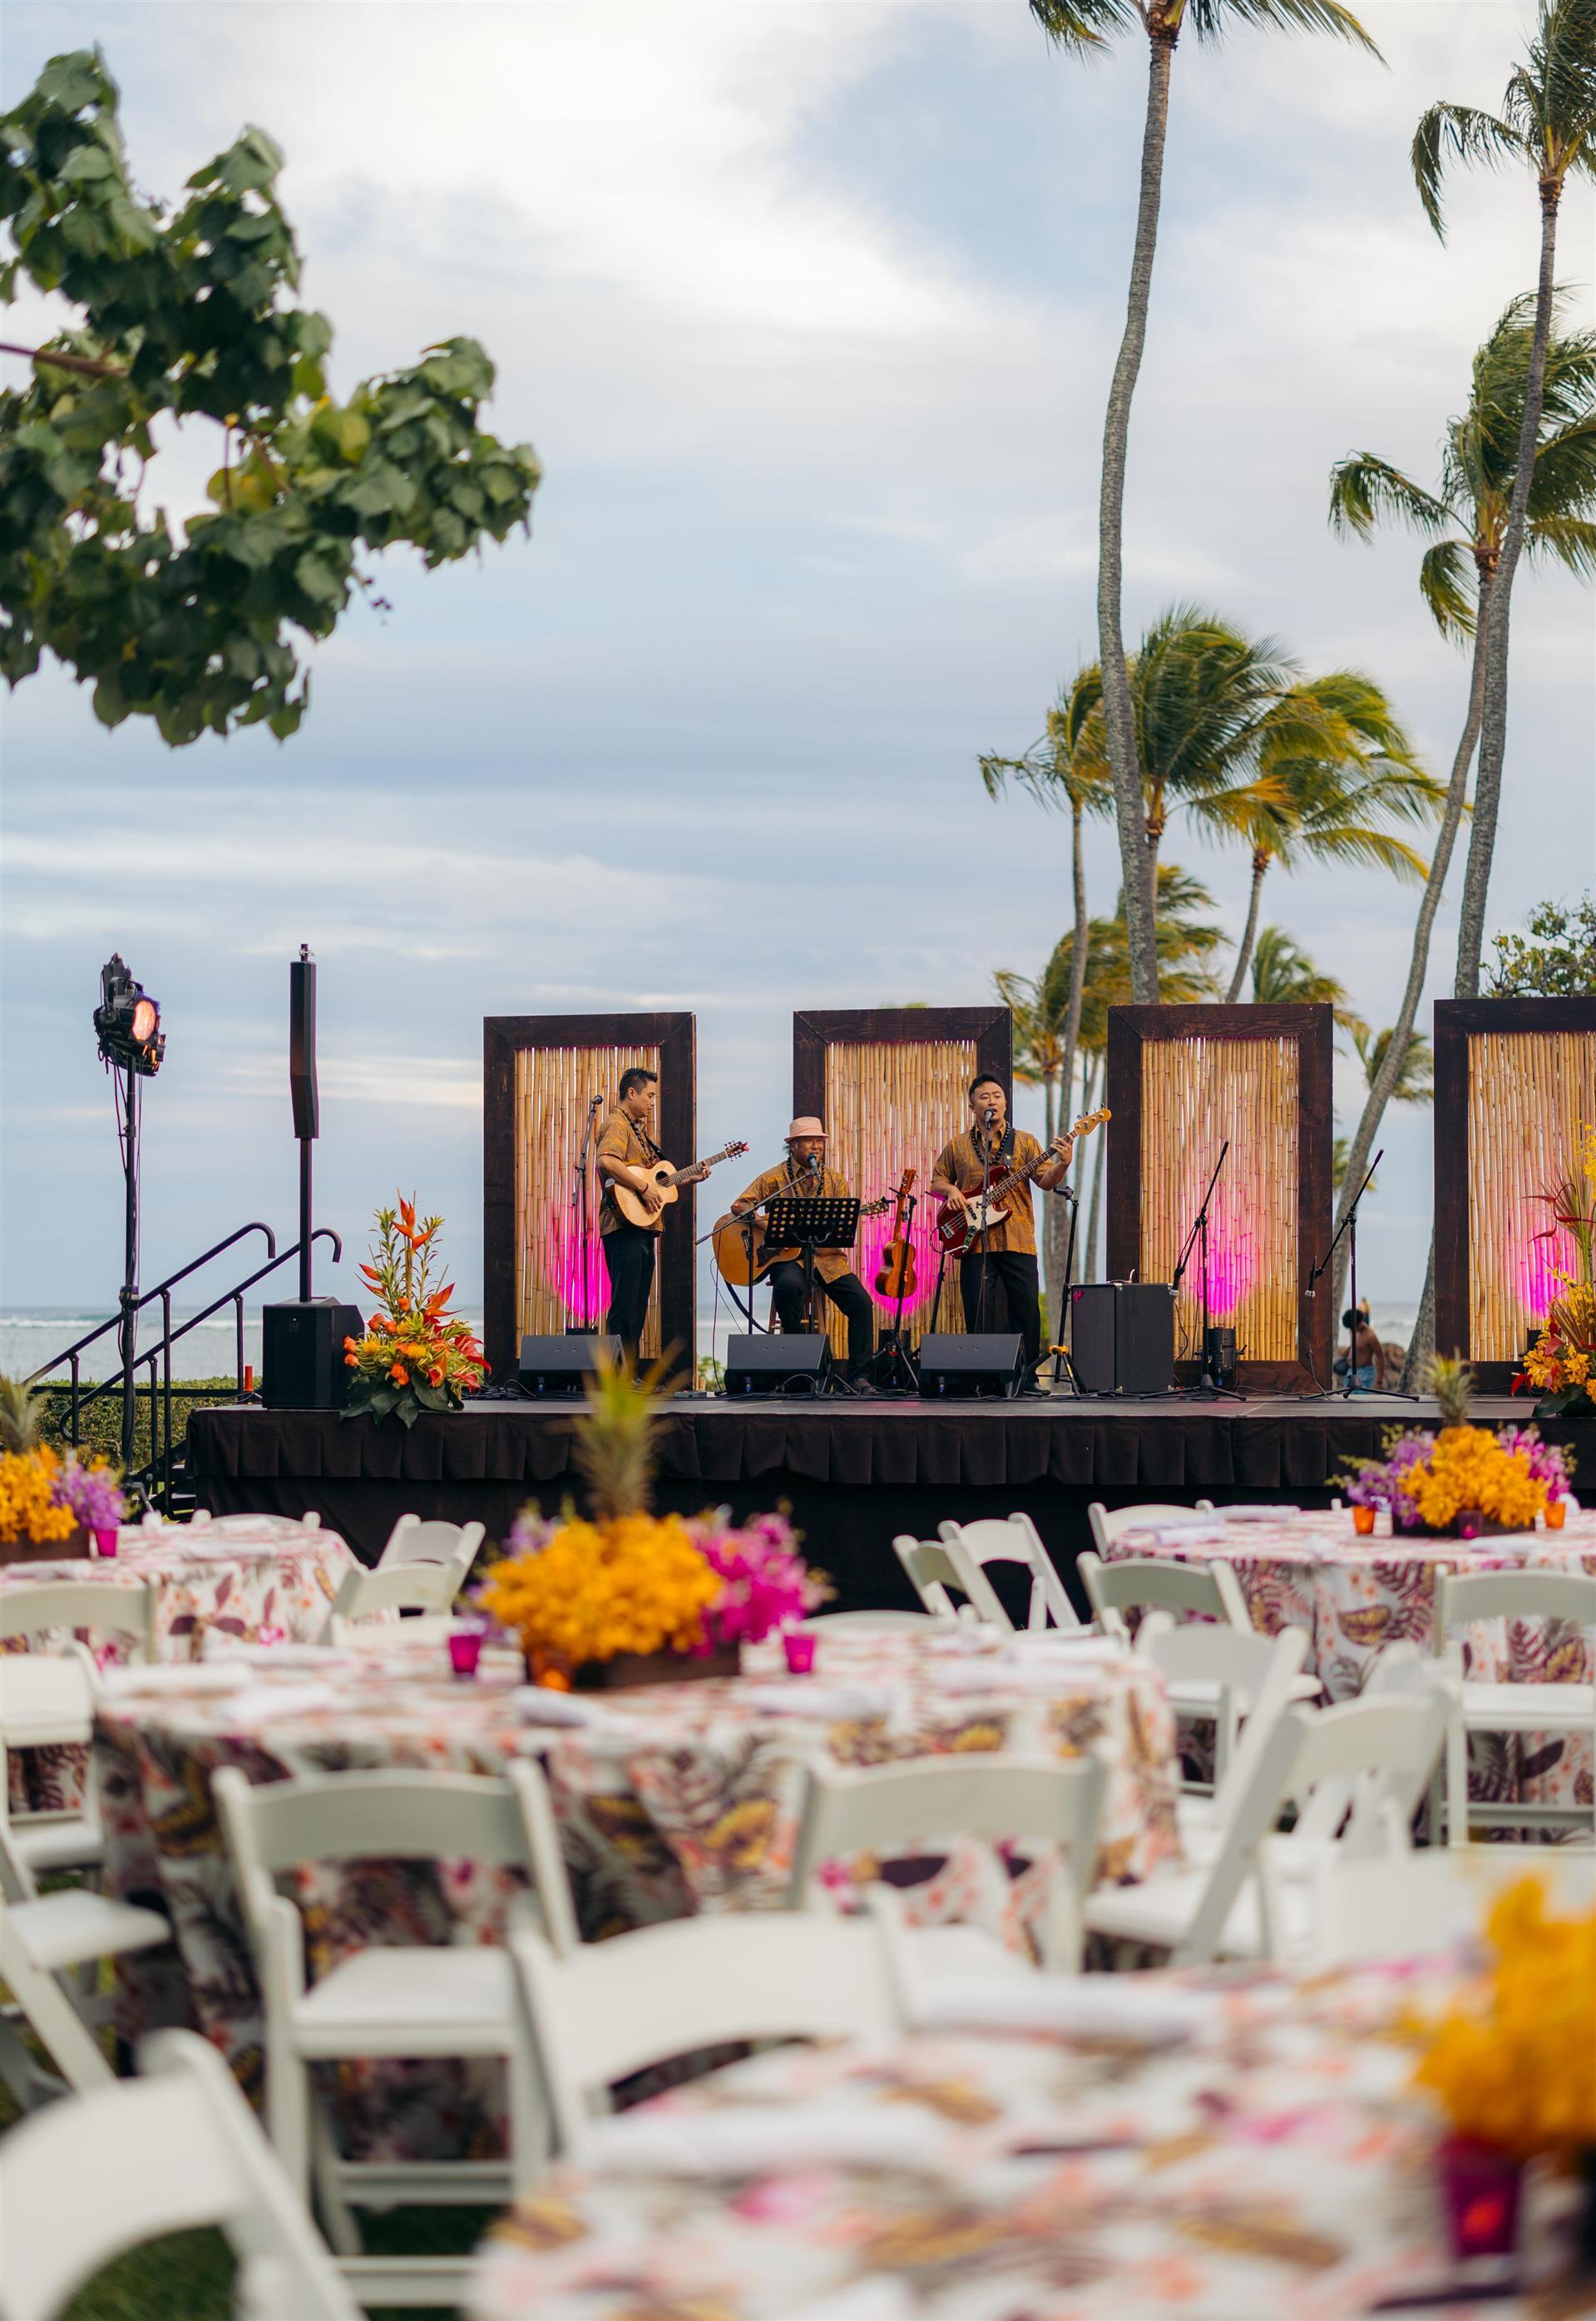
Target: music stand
809,1222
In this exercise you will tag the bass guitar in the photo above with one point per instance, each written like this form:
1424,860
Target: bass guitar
958,1230
741,1265
669,1179
895,1278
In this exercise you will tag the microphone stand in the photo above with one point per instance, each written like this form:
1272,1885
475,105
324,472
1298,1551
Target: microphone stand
1064,1366
986,1182
1349,1225
1208,1388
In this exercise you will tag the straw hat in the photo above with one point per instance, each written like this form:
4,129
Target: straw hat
806,1124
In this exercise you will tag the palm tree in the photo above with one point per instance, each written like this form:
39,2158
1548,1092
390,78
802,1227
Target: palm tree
1283,974
1067,767
1082,28
1465,521
1415,1075
1547,122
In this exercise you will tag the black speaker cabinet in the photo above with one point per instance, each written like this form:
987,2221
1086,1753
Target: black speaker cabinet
1092,1336
562,1365
971,1365
302,1352
792,1362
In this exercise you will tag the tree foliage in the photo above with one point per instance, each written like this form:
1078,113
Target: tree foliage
1557,960
189,312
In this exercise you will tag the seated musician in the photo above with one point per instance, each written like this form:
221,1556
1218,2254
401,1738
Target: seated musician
806,1175
998,1278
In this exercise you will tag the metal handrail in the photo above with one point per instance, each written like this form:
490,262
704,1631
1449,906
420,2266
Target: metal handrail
66,1354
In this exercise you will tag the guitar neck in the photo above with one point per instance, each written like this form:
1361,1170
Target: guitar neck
694,1167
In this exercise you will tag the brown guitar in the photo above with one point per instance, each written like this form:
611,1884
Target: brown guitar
958,1230
732,1250
896,1278
630,1204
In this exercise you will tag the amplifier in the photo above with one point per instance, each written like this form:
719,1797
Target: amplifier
970,1365
302,1364
797,1362
1122,1337
562,1365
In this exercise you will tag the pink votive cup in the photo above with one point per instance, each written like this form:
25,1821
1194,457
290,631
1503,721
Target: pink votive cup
105,1541
465,1651
799,1652
1480,2187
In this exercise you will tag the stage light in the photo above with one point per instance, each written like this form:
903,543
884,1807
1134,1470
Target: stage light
127,1020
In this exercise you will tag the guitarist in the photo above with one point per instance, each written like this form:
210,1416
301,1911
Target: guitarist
625,1150
1001,1270
806,1175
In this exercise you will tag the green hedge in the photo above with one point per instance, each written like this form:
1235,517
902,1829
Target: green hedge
100,1426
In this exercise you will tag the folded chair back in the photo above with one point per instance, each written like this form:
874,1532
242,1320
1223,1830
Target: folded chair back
975,1547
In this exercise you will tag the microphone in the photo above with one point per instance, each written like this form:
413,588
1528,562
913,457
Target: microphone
813,1164
990,1114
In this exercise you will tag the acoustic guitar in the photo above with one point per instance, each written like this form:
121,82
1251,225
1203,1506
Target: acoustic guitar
958,1231
630,1202
732,1244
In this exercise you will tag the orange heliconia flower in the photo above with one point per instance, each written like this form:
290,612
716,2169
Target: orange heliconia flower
399,1374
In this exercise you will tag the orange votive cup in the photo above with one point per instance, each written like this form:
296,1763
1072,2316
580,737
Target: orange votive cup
1557,1511
1362,1522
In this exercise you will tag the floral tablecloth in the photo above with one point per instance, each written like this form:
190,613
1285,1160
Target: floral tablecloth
1355,1595
673,1799
1274,2168
247,1576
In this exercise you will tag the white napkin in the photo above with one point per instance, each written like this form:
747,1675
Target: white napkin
1043,1644
759,2139
1201,1533
1083,2006
262,1704
219,1646
1043,1674
804,1697
536,1705
1256,1515
879,2297
168,1676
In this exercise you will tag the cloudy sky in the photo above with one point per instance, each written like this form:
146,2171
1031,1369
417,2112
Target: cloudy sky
809,313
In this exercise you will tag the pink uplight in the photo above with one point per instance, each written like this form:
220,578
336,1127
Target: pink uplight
875,1232
1229,1274
1537,1267
575,1269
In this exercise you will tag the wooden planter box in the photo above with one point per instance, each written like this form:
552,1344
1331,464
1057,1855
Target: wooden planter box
45,1550
630,1668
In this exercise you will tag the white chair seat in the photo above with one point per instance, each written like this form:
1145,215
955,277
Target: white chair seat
1528,1707
1159,1911
69,1841
62,1930
1200,1696
412,2001
935,1951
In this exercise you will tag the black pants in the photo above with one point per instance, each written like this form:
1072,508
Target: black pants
1012,1299
629,1254
848,1293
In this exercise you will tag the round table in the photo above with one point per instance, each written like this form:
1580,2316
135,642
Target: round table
670,1800
1308,1569
246,1577
1275,2164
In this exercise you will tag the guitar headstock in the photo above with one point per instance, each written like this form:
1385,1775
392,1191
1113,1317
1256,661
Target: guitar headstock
877,1207
1090,1120
905,1186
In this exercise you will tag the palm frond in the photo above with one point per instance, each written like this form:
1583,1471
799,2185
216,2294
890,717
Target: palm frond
1555,98
995,772
1083,27
1457,132
1211,19
1567,539
1446,582
1563,482
1363,489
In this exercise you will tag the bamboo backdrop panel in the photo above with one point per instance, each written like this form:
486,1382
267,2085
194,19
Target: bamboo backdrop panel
891,1104
1196,1092
1529,1095
560,1276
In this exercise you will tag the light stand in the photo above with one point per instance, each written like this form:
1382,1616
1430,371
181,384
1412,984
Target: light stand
1349,1225
1208,1388
1064,1367
127,1025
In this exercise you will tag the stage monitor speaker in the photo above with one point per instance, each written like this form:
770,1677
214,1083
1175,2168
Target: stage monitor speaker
302,1359
302,1046
967,1366
1092,1336
562,1365
1143,1337
797,1362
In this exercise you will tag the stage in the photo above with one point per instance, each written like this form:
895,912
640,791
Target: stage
856,1472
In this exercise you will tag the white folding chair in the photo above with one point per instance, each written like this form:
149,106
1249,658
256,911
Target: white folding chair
1109,1524
975,1547
400,2001
47,1700
1154,1583
905,1808
1413,1904
932,1572
425,1587
1521,1595
1245,1904
107,1609
609,2008
411,1541
42,1938
1249,1681
103,2172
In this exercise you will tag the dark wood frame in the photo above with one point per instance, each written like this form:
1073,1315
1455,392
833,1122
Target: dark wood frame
816,1029
1312,1027
676,1038
1456,1019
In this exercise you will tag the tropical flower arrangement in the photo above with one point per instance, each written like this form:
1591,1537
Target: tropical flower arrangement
415,1355
46,1497
1563,1361
1429,1480
632,1587
1511,2060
